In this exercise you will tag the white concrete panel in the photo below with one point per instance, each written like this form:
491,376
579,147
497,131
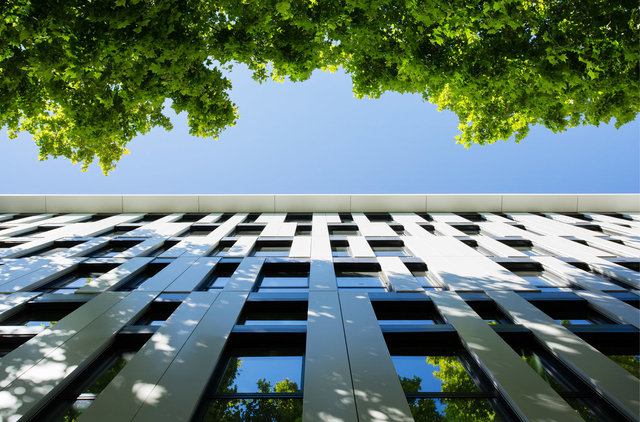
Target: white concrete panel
237,203
611,307
328,391
367,228
322,275
27,220
464,202
193,276
320,244
612,247
242,247
14,268
616,271
359,247
116,276
158,229
565,247
18,361
301,247
541,203
9,304
59,366
498,248
398,275
527,393
199,246
444,229
22,203
85,248
48,271
379,395
440,246
499,229
95,228
609,203
447,217
84,203
474,274
575,275
245,276
142,248
410,224
210,218
176,399
25,248
494,218
160,203
167,275
132,387
388,203
312,203
332,218
619,386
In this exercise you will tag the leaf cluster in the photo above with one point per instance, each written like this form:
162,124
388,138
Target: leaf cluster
84,78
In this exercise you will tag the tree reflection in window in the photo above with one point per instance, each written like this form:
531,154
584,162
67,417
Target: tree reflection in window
438,388
259,389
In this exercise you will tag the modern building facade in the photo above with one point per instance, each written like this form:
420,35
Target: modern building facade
320,308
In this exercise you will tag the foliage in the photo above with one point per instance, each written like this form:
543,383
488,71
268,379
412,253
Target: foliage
629,362
454,379
264,409
85,77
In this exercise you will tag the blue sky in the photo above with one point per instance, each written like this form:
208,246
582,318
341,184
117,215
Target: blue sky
314,137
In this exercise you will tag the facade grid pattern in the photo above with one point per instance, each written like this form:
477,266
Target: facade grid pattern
318,316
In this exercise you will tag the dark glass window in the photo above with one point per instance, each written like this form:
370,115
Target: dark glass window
262,382
85,388
272,248
168,244
405,313
157,313
274,313
223,248
219,277
57,247
441,388
284,277
113,248
343,230
359,276
80,277
149,271
388,247
340,248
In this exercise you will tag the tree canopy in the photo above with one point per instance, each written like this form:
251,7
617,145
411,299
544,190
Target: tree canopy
85,77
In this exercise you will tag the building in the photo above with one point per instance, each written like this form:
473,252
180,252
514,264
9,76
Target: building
320,308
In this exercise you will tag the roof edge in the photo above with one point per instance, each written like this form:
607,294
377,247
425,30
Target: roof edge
320,203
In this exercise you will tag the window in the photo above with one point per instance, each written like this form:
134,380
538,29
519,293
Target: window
440,387
113,248
248,229
359,276
571,312
57,247
272,248
81,393
340,248
466,228
201,230
282,277
489,311
388,247
303,229
379,217
166,245
343,230
274,313
525,246
426,280
80,277
157,313
257,383
224,246
219,277
190,218
298,217
572,389
41,314
149,271
543,280
406,313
